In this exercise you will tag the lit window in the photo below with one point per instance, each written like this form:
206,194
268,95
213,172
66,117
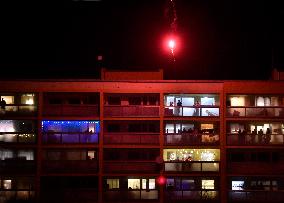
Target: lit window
208,184
237,101
207,101
133,183
8,99
237,185
7,184
91,155
27,99
152,184
113,183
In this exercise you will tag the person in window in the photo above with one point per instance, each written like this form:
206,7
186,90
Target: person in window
179,105
197,109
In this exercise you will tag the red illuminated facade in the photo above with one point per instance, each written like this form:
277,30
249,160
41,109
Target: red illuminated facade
142,141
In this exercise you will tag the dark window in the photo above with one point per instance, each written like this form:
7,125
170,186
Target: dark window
113,128
74,101
133,127
275,156
152,100
55,101
114,101
263,156
237,157
134,101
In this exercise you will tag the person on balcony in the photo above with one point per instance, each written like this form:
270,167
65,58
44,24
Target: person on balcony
260,136
197,108
3,104
179,105
267,136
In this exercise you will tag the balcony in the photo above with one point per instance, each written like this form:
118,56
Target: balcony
17,165
17,137
70,137
19,110
18,195
71,110
70,166
80,195
131,111
126,195
251,139
256,167
256,196
196,195
131,138
130,167
267,111
192,166
202,111
191,139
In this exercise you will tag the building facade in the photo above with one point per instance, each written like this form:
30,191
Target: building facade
148,141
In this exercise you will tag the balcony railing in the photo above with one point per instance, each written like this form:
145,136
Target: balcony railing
19,110
192,166
129,166
255,111
124,195
172,195
131,111
256,167
203,111
17,166
69,166
256,195
252,139
17,137
191,139
71,110
131,138
70,137
19,195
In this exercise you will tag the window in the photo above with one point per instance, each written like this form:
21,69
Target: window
91,155
7,184
8,99
27,99
133,183
114,101
238,185
188,185
113,183
208,184
151,184
237,101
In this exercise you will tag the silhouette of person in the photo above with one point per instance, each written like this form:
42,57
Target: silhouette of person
179,105
3,104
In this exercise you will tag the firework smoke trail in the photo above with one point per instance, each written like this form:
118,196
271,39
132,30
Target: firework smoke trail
171,14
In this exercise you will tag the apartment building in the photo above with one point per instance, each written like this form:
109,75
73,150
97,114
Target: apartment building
152,140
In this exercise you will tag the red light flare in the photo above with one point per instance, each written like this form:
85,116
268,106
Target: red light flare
172,44
161,180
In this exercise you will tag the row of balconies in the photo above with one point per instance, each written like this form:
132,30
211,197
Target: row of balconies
136,188
141,139
143,105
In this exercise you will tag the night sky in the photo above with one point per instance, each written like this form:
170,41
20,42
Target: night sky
230,39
